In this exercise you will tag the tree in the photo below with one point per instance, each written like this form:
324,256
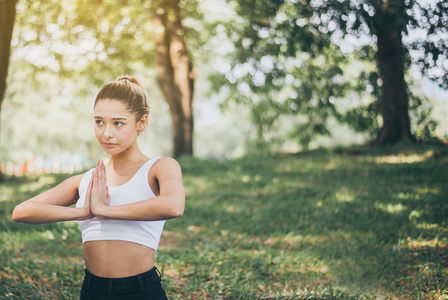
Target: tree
119,34
387,21
394,102
282,64
295,31
7,17
175,74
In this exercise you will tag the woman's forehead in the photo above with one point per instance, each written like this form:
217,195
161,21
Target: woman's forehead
111,107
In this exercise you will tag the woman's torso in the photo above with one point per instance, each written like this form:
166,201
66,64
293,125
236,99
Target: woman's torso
119,258
116,259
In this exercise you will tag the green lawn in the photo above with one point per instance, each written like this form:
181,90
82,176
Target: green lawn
339,224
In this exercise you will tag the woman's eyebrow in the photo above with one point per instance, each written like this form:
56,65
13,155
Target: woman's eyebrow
118,118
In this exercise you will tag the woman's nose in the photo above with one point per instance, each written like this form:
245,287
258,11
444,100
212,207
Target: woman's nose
107,132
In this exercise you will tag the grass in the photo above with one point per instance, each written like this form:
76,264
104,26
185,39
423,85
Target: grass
327,224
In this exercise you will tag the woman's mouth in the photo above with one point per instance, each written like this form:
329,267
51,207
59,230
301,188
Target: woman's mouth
109,145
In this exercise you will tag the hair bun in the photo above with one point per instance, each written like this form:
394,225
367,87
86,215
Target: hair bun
123,78
131,79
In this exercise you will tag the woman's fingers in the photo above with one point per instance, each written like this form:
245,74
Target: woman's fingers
105,175
89,187
89,193
95,187
107,196
100,190
87,200
102,178
106,189
95,180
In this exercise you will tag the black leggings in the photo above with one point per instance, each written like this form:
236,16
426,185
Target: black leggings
139,287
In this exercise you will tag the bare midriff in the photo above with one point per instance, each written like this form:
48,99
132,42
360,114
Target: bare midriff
117,259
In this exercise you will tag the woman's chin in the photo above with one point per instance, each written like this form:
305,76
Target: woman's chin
110,151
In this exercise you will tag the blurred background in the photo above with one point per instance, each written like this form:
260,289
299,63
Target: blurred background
252,76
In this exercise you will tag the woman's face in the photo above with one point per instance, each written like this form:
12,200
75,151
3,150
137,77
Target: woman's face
115,127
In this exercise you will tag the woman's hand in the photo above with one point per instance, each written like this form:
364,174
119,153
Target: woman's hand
86,209
100,196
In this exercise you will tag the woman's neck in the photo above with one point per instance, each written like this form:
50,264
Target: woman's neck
130,156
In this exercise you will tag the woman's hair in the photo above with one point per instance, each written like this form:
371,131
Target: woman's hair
128,90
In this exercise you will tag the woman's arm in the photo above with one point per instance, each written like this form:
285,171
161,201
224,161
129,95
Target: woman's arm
169,204
52,206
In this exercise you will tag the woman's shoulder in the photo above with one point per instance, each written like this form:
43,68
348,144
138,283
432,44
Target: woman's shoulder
164,165
166,162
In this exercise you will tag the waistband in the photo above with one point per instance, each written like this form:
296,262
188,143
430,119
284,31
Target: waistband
117,284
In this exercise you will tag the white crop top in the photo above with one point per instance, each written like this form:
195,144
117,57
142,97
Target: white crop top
137,189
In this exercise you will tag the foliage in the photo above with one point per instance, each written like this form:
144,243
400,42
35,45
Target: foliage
427,20
432,51
282,64
83,38
366,85
425,125
328,224
286,60
364,117
424,27
62,53
48,121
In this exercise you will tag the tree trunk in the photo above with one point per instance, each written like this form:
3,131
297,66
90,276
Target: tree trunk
7,16
394,101
175,74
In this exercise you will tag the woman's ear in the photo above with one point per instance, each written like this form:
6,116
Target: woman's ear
142,123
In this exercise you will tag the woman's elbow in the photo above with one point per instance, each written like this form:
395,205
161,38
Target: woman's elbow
178,209
17,214
178,212
23,213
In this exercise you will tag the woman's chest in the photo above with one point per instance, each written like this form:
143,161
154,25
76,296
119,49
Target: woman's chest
129,193
117,178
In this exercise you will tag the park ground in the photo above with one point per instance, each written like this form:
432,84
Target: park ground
358,223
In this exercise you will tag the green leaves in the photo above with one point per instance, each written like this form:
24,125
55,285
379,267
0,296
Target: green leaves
283,65
296,57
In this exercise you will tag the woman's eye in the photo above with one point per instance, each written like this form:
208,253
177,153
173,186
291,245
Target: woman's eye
99,122
118,124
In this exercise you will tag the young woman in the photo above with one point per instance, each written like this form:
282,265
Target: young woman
121,207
